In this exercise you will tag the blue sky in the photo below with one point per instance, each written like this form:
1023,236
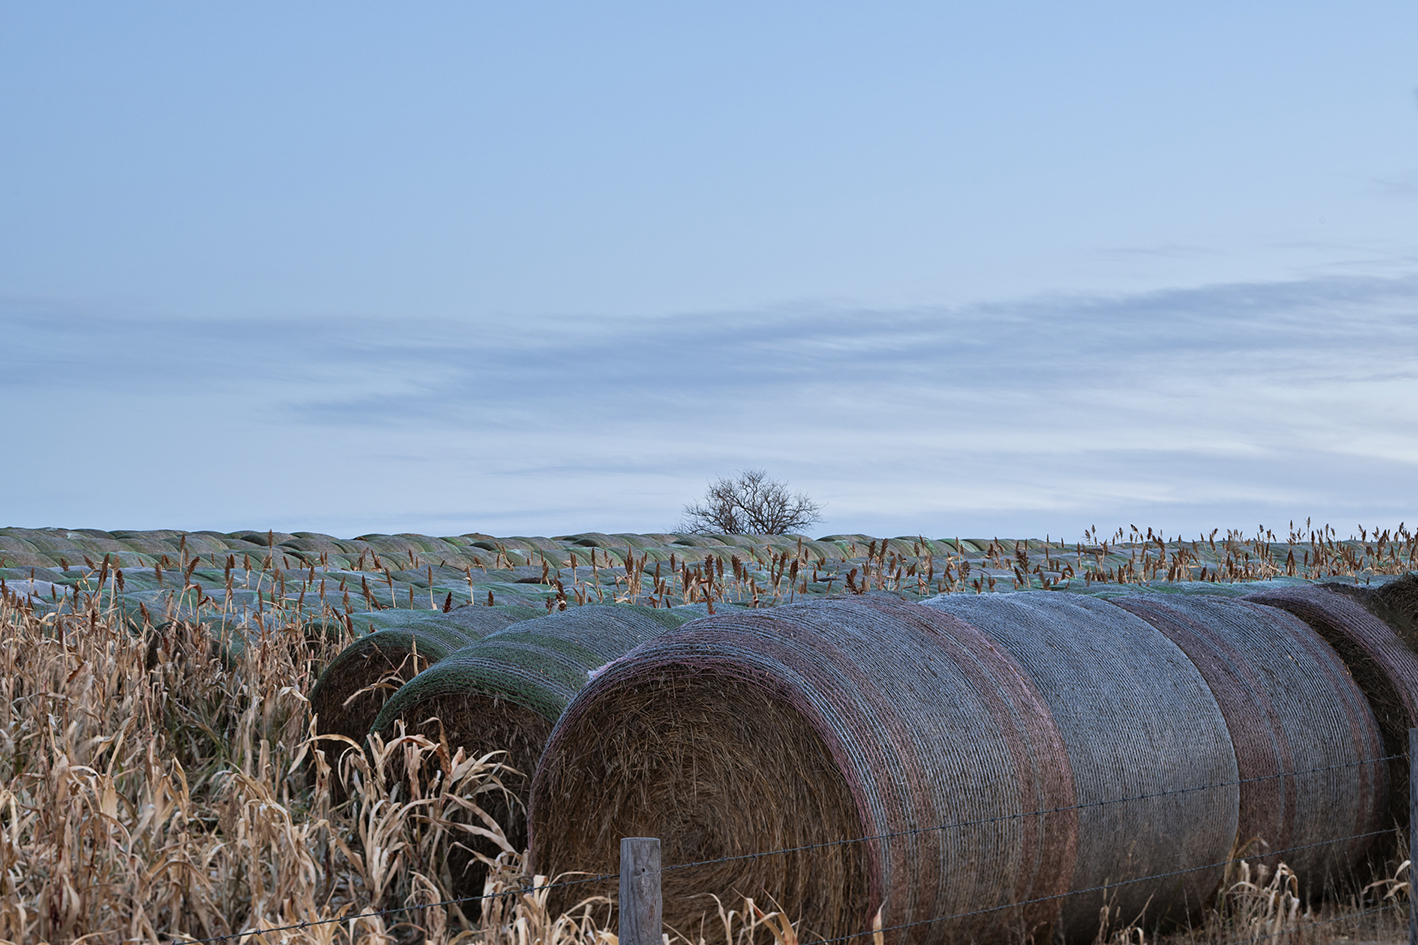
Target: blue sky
527,269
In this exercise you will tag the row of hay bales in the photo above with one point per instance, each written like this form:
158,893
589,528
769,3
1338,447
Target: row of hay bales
408,571
413,571
486,679
45,547
973,767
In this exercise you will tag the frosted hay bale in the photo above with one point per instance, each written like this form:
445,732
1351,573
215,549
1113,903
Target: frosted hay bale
1306,740
1139,721
797,728
1384,667
505,691
341,698
524,674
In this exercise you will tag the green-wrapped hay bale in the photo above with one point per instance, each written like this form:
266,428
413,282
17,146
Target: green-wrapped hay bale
408,642
1139,721
400,618
590,539
1165,589
1307,744
1383,664
715,542
228,640
1395,601
536,664
504,692
844,734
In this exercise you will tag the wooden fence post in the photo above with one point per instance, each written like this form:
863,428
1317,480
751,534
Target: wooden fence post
641,910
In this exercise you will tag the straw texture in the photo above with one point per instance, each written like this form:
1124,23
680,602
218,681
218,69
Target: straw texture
341,698
814,724
1291,706
1384,667
1138,720
539,664
1396,602
504,692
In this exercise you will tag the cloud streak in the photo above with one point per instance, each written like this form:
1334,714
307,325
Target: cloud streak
1182,404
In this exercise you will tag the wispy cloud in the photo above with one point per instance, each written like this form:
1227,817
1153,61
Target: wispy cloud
1178,404
1403,185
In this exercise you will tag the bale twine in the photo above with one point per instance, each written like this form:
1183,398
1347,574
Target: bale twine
1384,667
1139,721
341,698
1306,740
504,692
896,758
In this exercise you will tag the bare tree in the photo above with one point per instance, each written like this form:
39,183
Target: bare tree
751,504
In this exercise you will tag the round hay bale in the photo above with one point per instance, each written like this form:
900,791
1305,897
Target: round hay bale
534,665
230,638
701,541
206,542
1394,600
391,651
504,692
1139,721
372,621
310,549
1306,741
843,733
533,543
1384,667
590,540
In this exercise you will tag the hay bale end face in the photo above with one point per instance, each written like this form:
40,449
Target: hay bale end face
504,692
1139,721
1382,664
1306,741
342,699
843,733
1397,603
537,664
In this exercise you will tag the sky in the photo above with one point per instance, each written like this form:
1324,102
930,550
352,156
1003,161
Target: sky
1016,269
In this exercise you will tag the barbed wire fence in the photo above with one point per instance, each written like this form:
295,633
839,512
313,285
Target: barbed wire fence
640,904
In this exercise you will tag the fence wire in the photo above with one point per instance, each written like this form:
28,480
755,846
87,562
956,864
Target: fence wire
1344,917
534,888
913,831
1103,888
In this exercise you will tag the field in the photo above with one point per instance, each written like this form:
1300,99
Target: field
158,780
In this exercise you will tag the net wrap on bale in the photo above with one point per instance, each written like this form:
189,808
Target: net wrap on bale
538,664
390,654
1396,602
847,733
1306,741
1384,667
1138,721
504,692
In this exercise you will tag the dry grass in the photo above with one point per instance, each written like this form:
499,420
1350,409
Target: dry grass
155,789
1259,905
